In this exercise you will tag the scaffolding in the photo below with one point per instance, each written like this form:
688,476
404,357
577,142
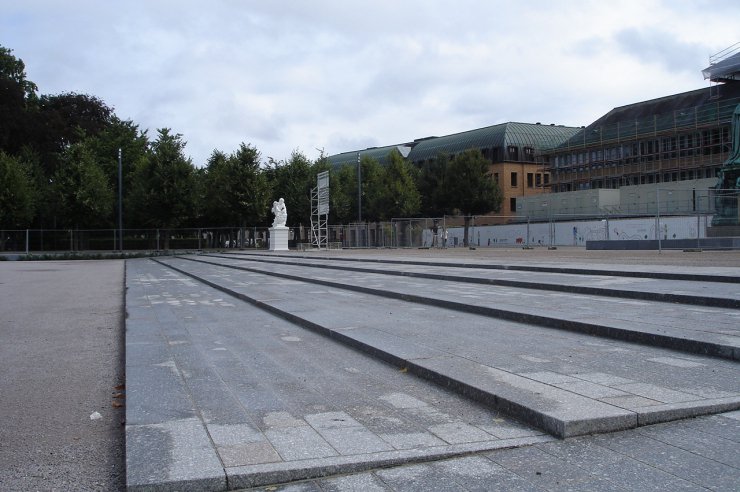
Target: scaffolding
724,65
680,144
320,212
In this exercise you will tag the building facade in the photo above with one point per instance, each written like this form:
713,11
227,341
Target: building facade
674,138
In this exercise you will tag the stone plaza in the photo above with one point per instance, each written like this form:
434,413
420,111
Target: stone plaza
488,369
433,370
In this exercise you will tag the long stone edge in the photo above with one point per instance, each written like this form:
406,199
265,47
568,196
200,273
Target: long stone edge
273,473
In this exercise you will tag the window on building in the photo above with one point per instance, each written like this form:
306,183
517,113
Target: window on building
495,177
529,154
513,152
547,179
514,180
512,204
530,180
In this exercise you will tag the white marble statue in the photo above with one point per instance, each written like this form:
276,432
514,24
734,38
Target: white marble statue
281,213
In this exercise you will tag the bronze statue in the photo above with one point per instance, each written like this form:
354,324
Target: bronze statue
727,190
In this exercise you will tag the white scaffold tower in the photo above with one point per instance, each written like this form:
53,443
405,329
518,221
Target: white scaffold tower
320,212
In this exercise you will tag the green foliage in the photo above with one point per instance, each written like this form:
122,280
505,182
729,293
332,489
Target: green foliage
236,189
14,70
66,119
400,196
17,103
163,185
432,183
17,193
470,188
81,192
387,191
213,191
124,135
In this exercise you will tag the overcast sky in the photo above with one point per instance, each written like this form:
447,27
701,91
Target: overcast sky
346,75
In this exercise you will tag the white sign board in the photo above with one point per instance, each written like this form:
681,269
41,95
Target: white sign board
322,183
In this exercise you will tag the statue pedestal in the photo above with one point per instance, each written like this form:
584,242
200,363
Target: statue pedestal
278,239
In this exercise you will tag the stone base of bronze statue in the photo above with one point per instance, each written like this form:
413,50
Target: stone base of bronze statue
723,230
279,239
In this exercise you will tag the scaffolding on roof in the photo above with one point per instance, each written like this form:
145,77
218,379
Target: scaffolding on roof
706,115
724,65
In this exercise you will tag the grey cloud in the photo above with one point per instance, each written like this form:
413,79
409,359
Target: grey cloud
662,48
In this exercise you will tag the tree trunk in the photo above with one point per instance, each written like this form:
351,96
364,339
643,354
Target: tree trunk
466,241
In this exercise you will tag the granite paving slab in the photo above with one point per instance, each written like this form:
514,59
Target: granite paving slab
703,293
626,265
224,395
657,458
483,361
706,330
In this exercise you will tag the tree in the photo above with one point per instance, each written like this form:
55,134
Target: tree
252,199
163,187
343,194
17,101
216,191
17,194
124,135
373,190
432,184
66,119
133,143
471,189
401,197
237,190
81,192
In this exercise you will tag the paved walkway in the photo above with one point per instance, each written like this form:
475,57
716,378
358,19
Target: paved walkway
61,361
694,455
222,393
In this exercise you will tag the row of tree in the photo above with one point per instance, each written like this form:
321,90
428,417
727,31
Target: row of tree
59,158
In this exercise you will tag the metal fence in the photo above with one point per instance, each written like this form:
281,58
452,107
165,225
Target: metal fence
91,240
705,215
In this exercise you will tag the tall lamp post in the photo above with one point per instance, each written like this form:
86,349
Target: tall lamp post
120,202
359,189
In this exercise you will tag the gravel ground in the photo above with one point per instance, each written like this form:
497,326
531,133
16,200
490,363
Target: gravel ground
61,360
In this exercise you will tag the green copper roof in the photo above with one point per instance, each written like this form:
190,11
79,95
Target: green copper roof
521,135
380,154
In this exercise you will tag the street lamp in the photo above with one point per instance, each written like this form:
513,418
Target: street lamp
120,201
359,189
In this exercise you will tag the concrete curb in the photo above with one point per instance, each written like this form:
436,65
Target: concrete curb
275,473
